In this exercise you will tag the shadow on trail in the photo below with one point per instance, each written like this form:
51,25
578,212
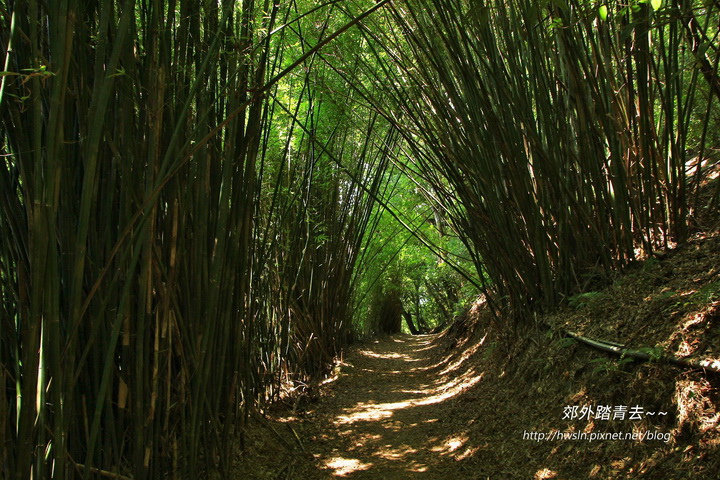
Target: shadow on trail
390,416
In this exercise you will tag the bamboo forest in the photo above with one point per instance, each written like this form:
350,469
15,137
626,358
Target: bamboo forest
364,239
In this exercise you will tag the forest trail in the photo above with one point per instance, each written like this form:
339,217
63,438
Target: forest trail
388,416
463,404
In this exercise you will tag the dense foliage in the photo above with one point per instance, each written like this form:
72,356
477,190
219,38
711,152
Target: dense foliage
183,203
563,140
202,202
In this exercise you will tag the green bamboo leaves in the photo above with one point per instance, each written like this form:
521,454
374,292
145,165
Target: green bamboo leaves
156,283
559,141
634,6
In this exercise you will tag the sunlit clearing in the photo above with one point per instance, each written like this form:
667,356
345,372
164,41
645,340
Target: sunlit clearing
345,466
544,473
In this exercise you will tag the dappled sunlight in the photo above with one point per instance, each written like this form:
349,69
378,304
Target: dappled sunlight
401,409
545,473
693,320
466,354
694,406
467,453
368,411
345,466
335,374
686,347
363,439
416,467
450,392
388,356
414,392
449,411
451,444
389,452
687,338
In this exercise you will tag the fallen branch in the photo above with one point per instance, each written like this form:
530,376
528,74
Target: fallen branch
709,364
297,437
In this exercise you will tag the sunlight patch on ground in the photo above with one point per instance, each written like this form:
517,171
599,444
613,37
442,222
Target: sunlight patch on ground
395,453
389,356
450,392
372,412
545,473
467,353
469,452
687,348
417,468
696,407
345,466
395,397
579,397
364,439
451,444
693,320
336,372
414,392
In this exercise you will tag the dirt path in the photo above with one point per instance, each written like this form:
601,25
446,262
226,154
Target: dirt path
389,414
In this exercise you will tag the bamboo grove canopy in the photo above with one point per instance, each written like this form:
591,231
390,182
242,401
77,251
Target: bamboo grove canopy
188,191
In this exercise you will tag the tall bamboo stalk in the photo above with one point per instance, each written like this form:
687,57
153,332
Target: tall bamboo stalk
561,137
141,250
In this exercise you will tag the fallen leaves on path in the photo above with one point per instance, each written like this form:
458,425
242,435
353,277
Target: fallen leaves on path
388,416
